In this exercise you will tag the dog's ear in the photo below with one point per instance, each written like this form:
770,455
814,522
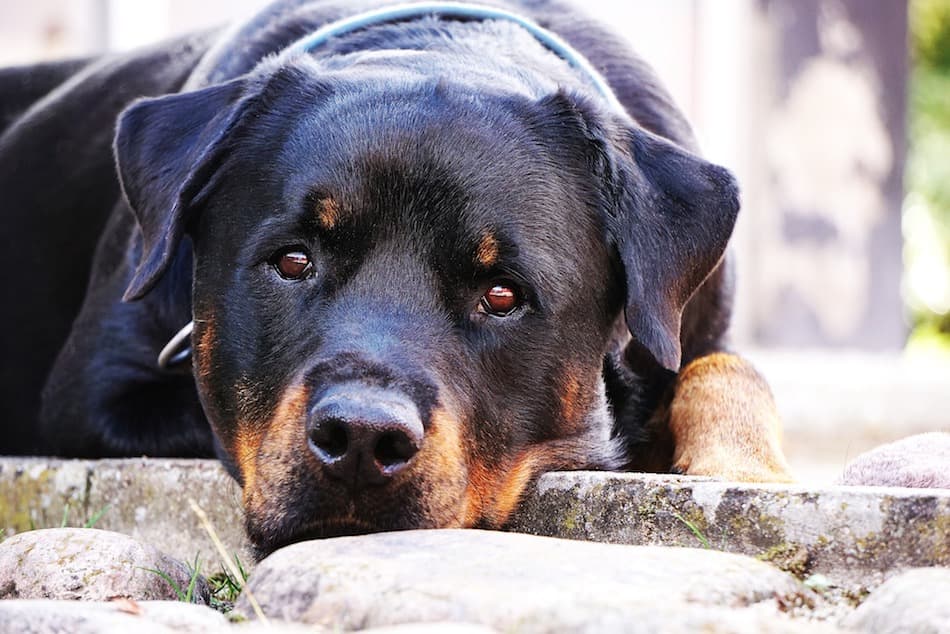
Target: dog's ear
166,149
673,214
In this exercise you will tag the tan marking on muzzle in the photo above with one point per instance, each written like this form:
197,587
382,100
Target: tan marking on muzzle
439,470
284,432
494,492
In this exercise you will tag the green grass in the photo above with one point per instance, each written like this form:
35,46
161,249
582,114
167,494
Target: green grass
64,522
186,595
692,527
91,522
225,588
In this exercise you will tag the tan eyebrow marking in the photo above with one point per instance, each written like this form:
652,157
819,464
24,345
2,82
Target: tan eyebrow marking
487,252
328,212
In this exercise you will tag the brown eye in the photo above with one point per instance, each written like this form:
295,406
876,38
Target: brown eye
500,300
292,264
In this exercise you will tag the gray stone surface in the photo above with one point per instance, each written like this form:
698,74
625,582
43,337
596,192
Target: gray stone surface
286,627
113,617
522,583
432,628
847,533
144,498
89,564
916,601
44,616
921,461
851,533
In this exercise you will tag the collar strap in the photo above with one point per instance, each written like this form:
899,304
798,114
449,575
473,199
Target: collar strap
460,10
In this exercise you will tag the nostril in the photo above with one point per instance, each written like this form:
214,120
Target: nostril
330,438
394,448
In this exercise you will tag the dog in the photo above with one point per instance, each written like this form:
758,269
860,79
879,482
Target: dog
429,252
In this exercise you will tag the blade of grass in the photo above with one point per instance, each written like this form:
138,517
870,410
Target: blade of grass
65,516
96,517
171,582
195,572
240,568
692,527
228,564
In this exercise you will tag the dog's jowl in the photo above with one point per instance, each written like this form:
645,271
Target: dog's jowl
429,252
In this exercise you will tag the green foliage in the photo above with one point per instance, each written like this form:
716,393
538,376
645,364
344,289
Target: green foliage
225,588
64,523
927,174
186,595
930,32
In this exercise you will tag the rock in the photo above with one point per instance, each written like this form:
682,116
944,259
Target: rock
146,498
153,495
851,534
432,628
915,601
920,461
286,627
89,564
523,583
93,617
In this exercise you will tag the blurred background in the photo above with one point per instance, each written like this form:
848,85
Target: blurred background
835,116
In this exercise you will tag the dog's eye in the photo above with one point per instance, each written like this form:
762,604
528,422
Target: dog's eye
500,301
292,263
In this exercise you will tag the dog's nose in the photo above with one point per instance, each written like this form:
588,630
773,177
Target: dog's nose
364,435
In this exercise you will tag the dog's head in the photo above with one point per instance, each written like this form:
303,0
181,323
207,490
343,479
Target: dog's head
404,291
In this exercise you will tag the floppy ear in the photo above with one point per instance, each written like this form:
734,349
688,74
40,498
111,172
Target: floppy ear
674,215
166,149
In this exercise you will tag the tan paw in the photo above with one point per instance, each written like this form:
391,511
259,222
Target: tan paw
725,424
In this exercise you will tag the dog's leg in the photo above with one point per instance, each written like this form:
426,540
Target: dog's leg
724,422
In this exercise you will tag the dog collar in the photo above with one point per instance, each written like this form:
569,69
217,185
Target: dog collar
463,10
178,349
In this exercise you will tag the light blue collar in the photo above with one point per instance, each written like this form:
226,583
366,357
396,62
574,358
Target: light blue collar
457,10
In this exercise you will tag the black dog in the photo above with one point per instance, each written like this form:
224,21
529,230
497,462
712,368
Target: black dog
427,256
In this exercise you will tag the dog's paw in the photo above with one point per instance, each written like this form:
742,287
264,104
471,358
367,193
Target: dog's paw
725,424
741,468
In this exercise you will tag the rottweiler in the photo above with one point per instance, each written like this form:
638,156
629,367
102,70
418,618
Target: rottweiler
425,253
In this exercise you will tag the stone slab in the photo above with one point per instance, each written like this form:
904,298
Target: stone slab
26,616
91,564
847,533
916,601
844,532
144,498
513,582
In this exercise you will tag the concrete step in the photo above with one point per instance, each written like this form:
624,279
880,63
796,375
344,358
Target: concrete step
851,534
144,498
